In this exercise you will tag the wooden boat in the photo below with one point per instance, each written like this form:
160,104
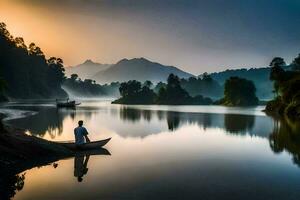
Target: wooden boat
86,146
68,104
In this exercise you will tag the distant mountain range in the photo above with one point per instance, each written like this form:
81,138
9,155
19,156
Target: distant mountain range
87,69
139,69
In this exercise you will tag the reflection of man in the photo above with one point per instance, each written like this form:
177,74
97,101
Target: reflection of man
80,134
80,166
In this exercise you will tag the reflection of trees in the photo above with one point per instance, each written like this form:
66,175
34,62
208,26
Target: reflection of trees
130,114
46,120
286,137
10,185
160,115
238,124
173,119
133,115
147,114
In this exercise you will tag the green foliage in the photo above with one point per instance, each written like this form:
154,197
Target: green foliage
296,63
172,93
26,71
202,86
89,87
239,92
132,92
287,87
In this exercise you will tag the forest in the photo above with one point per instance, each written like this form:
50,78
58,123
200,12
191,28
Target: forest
171,93
286,84
89,88
239,92
25,72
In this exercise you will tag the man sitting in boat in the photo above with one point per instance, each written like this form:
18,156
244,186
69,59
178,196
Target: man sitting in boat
81,134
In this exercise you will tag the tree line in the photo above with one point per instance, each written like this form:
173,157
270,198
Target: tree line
24,70
89,88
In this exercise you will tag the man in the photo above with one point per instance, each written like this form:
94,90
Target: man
81,134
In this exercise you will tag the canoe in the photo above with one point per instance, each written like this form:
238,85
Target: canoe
86,146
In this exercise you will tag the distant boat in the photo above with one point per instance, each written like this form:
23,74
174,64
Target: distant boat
68,104
86,146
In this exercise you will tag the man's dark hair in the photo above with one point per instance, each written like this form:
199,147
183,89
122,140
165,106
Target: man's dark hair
80,122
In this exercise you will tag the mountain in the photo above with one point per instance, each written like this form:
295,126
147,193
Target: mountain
139,69
260,77
87,69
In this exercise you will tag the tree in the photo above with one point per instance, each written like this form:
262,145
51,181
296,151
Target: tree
56,71
148,84
277,73
239,92
74,77
132,92
174,94
296,63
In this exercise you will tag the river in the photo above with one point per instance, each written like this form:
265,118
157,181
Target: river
163,152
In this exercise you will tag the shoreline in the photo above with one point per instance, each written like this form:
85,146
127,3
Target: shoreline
20,151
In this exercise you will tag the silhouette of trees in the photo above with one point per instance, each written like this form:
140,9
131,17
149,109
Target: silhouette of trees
286,137
11,185
205,86
239,92
286,85
173,93
133,92
89,88
296,63
26,71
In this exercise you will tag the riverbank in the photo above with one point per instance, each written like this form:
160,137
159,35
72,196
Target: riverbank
289,111
19,151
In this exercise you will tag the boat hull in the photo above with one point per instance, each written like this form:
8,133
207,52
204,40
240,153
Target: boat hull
87,146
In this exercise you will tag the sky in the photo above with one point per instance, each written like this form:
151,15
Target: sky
196,36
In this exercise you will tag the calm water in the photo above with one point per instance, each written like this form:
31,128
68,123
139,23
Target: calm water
165,152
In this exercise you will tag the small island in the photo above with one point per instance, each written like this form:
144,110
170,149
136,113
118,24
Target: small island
133,92
239,92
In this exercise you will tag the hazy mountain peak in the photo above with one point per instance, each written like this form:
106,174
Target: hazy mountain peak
89,61
87,69
139,69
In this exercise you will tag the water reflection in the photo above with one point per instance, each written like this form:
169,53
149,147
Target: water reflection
53,121
10,185
163,152
239,124
173,120
80,166
286,137
81,160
